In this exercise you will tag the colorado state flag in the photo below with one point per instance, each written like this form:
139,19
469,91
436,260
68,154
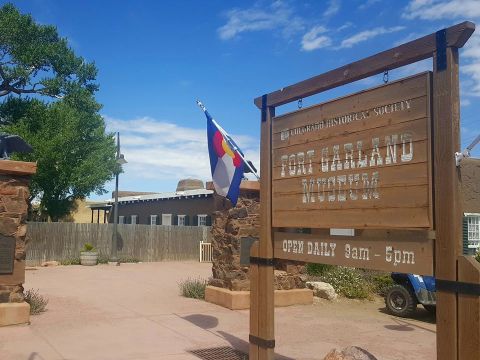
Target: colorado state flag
225,163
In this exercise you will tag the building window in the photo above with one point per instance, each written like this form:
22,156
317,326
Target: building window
473,231
166,219
202,220
133,219
181,220
121,219
153,219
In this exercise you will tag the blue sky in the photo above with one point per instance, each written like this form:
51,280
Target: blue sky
155,58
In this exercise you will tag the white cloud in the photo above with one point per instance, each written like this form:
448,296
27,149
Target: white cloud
278,16
332,9
442,9
315,40
160,150
452,9
367,4
345,26
368,34
471,52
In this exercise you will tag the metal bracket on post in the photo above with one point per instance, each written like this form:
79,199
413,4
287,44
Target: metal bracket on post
459,156
441,44
264,108
266,344
262,261
458,287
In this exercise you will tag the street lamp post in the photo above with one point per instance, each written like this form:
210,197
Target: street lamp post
120,160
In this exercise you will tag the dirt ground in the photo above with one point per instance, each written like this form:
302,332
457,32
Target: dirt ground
134,311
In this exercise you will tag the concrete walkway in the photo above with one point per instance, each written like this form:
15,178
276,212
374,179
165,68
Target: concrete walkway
134,311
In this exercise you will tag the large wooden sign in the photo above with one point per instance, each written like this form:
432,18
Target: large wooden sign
361,161
382,161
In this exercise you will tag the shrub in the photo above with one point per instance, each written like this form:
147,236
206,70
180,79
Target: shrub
193,288
381,283
105,259
88,247
317,269
347,282
102,259
70,261
477,256
38,303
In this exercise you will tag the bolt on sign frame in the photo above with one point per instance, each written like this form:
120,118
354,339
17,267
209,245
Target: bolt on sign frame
406,213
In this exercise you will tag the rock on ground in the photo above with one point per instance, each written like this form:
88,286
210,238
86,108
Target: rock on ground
350,353
322,290
50,263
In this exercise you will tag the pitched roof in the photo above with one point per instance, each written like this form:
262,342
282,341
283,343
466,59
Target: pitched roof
187,194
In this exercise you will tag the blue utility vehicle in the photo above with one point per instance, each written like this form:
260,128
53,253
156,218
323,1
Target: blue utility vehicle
410,290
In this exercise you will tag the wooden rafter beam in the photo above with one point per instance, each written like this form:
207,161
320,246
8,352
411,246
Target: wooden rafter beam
413,51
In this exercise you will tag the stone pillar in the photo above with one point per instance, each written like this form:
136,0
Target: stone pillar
14,180
229,226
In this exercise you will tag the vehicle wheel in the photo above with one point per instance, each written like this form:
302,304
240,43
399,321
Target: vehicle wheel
400,301
430,308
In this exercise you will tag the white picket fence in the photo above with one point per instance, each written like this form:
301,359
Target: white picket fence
205,251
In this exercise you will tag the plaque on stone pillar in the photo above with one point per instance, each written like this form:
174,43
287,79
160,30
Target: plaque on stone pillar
7,254
245,245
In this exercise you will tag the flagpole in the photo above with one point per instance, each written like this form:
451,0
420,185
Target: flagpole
225,134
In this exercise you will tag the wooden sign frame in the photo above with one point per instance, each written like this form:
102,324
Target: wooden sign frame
458,309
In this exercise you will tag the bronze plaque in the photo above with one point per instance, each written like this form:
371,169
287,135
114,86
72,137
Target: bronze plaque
360,161
7,254
406,253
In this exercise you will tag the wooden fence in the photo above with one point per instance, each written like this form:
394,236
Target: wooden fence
63,241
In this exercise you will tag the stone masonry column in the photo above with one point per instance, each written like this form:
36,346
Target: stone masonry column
230,283
14,193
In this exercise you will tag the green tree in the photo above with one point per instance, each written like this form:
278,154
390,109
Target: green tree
34,59
75,156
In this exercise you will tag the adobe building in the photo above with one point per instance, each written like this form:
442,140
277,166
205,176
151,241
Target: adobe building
191,204
470,172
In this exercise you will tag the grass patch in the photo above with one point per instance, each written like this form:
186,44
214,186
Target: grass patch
70,261
38,303
102,259
128,260
105,259
193,288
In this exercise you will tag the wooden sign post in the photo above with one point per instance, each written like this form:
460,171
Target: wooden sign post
382,162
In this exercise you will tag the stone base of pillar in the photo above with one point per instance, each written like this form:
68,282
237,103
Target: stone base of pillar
14,313
239,300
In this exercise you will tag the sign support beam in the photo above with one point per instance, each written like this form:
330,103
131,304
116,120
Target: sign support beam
262,289
458,323
448,209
